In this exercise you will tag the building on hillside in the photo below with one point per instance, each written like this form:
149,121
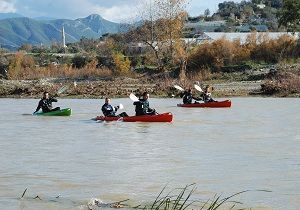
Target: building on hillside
212,36
261,5
192,28
249,28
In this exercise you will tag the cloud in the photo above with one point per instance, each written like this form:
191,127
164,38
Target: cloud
123,13
114,10
7,6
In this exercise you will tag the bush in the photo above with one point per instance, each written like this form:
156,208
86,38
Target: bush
275,50
19,65
218,54
282,82
122,63
221,53
79,61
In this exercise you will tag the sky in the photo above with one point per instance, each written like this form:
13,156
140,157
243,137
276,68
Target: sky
113,10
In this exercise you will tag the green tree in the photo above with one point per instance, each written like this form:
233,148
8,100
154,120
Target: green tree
122,63
289,15
206,13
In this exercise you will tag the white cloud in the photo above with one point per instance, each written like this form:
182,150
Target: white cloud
7,6
114,10
123,13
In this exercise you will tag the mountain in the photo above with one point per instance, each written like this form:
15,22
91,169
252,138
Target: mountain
9,15
15,32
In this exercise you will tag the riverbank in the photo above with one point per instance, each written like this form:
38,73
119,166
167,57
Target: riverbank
117,87
275,80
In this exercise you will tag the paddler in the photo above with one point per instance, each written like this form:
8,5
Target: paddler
46,104
142,106
187,96
206,95
110,111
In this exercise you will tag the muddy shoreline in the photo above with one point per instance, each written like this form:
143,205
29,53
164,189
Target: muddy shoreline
116,88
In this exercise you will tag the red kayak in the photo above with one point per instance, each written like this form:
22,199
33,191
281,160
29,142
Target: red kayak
165,117
215,104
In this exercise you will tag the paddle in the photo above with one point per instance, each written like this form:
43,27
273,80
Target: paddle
197,87
133,97
178,87
62,89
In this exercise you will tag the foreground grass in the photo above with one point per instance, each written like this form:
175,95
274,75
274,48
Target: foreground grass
181,199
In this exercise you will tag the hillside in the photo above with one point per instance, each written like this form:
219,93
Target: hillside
15,32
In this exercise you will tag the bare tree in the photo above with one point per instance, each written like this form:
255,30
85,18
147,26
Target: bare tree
161,31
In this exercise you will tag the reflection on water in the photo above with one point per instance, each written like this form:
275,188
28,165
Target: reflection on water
253,145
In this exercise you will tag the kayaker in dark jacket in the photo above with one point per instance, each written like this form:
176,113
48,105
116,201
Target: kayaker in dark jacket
187,96
46,104
110,111
142,106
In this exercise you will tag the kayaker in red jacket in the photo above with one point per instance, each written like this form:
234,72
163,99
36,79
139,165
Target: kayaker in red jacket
110,111
46,104
142,106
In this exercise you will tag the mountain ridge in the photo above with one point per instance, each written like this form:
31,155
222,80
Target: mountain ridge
16,31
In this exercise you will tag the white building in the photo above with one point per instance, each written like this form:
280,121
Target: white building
212,36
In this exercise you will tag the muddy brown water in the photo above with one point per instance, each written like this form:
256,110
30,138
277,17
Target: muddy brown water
255,145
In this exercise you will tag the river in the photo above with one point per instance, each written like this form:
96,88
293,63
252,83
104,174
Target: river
254,145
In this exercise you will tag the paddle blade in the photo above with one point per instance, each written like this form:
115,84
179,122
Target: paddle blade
133,97
62,89
121,106
178,87
197,87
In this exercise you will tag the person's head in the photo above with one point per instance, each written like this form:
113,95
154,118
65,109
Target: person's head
107,100
46,95
207,87
145,95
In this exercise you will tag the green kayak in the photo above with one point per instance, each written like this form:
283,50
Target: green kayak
62,112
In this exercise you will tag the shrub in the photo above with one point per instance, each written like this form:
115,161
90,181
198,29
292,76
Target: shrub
282,82
79,61
19,65
217,54
122,63
257,48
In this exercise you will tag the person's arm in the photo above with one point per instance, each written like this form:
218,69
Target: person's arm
53,100
105,110
197,98
136,103
39,106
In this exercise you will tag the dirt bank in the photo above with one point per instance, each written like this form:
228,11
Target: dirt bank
114,87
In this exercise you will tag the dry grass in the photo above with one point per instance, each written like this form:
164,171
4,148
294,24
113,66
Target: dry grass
282,83
217,54
18,70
